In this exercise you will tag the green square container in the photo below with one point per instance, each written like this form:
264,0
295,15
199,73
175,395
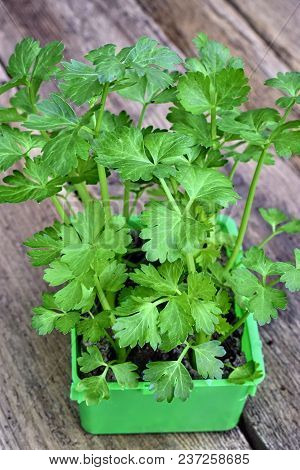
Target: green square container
136,411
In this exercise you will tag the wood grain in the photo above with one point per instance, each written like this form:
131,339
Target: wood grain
35,410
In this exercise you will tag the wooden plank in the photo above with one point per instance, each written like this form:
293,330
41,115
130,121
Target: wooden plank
38,402
277,23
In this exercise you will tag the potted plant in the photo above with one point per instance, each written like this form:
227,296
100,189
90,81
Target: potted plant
161,303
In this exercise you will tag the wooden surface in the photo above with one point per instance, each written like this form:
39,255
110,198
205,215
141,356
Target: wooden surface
35,411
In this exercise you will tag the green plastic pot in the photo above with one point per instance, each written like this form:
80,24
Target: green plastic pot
136,411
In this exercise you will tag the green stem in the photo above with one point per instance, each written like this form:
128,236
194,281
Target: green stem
104,191
252,189
233,170
111,341
142,115
190,263
213,125
267,239
247,211
174,185
101,109
126,199
32,98
234,327
101,295
60,210
83,193
201,337
101,169
169,196
188,206
161,301
187,347
134,204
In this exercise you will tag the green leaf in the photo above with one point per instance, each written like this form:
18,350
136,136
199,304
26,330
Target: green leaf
214,56
111,122
33,183
223,327
265,302
55,114
96,241
194,93
94,389
196,127
243,282
168,380
273,216
256,260
206,315
167,147
251,152
144,89
291,276
11,149
46,245
58,273
164,280
124,150
10,115
44,320
14,82
208,185
175,321
140,328
250,125
288,82
293,226
112,276
249,372
208,255
224,301
80,82
92,329
125,374
61,153
21,100
287,143
76,295
147,52
169,233
208,366
46,60
109,67
90,360
200,285
66,322
21,61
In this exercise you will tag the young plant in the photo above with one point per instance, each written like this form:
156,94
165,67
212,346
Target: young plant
162,282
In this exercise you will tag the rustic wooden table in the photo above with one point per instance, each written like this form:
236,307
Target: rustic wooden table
35,411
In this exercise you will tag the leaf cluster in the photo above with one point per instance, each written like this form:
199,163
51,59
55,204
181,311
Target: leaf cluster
161,278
